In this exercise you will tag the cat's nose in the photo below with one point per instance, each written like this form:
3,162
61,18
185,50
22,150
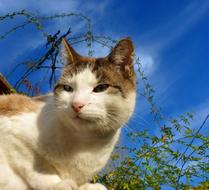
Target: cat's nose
77,106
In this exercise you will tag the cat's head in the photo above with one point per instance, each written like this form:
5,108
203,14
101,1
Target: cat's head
97,93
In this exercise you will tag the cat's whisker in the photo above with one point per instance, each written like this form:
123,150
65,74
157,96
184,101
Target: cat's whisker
128,128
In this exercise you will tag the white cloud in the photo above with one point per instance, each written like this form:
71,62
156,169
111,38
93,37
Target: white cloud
147,63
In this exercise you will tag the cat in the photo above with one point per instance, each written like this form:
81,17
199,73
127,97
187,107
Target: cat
61,140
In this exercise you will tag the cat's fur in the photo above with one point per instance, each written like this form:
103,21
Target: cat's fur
47,144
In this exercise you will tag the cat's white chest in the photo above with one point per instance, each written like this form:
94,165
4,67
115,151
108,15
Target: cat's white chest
83,165
84,160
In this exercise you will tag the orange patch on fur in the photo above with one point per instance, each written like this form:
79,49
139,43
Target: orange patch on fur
14,104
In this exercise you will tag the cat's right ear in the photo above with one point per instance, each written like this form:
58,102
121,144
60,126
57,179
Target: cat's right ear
122,56
69,55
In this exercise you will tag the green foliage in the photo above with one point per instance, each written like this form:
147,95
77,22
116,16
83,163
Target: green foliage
157,161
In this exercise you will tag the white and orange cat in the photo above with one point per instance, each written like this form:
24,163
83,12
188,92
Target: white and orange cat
59,141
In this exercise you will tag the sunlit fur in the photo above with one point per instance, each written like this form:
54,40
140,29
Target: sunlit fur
45,145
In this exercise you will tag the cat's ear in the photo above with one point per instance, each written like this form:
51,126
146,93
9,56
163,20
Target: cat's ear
69,55
122,56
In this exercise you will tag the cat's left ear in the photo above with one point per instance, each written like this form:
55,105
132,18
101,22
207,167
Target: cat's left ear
122,56
69,55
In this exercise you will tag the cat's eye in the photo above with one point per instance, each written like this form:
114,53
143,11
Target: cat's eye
101,88
68,88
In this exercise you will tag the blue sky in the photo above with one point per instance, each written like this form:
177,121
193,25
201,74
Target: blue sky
171,38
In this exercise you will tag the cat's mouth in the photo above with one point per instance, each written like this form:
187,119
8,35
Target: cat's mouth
79,118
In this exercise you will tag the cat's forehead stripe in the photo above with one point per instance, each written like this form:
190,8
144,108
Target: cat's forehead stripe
97,72
84,76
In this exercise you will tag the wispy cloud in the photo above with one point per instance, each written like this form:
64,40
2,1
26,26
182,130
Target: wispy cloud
167,33
54,6
146,59
46,7
152,44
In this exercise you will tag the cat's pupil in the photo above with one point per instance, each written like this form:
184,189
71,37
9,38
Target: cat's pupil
68,88
101,88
